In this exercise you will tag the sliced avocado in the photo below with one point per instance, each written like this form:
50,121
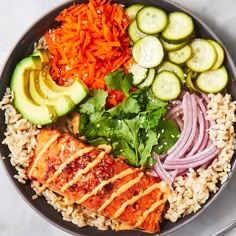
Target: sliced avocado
45,86
40,115
63,103
43,54
77,91
36,96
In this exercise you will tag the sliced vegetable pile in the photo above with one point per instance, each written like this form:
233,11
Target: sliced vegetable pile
90,43
167,42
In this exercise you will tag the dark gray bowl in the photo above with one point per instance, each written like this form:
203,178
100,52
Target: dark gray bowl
23,48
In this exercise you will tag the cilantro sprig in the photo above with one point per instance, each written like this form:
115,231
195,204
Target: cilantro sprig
131,127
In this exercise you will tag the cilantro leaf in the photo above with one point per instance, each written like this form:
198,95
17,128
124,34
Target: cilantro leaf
152,102
84,120
129,152
97,117
147,100
128,136
134,125
95,102
152,118
87,108
124,132
130,105
119,81
145,148
168,135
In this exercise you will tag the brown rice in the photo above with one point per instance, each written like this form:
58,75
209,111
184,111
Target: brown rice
188,193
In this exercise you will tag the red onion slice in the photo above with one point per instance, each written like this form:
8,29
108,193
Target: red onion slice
197,163
160,171
207,125
188,115
201,133
175,110
190,130
187,160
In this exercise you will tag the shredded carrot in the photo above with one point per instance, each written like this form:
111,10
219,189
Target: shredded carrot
90,42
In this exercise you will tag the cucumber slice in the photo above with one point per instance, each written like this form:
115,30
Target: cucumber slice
132,10
139,73
203,55
180,56
169,66
166,86
213,81
134,33
220,54
179,29
151,20
148,52
149,79
171,46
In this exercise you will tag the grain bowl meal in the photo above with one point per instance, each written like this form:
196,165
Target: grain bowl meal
121,117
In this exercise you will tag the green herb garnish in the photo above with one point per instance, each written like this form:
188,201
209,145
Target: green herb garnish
131,127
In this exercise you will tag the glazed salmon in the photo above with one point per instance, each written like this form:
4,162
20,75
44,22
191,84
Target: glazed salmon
94,179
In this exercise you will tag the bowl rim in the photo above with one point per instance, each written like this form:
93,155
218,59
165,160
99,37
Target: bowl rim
64,5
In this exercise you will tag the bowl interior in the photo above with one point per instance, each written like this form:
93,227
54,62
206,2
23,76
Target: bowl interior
23,48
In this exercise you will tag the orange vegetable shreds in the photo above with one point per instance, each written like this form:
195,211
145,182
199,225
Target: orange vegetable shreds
90,43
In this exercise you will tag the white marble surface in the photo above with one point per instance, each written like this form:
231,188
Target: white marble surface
16,217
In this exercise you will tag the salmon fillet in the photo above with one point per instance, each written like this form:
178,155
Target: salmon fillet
88,176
